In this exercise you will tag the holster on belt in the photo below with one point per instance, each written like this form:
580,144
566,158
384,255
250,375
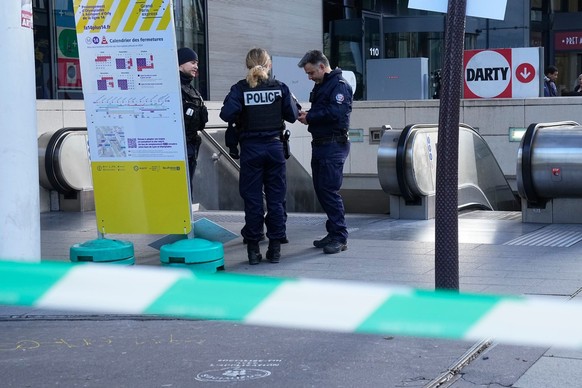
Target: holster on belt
285,135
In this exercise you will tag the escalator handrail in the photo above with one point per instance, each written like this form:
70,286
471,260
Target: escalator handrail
403,185
52,162
218,146
526,158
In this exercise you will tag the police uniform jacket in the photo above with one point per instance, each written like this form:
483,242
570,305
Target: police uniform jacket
259,111
195,112
331,105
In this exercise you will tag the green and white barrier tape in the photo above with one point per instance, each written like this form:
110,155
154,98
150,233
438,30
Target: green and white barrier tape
340,306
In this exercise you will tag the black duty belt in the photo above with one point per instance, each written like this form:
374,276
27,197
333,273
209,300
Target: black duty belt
331,139
260,139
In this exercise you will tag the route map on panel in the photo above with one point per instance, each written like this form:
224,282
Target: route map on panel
117,107
110,142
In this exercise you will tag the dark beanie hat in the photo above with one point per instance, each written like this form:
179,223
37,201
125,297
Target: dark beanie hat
186,54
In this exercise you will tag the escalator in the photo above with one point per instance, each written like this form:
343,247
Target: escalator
64,164
407,171
215,184
65,168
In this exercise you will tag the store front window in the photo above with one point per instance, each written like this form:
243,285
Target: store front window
345,50
190,19
42,51
68,67
57,68
355,41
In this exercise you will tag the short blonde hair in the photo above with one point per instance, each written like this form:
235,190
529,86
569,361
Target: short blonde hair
258,62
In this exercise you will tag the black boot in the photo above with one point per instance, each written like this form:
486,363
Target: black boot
254,252
274,251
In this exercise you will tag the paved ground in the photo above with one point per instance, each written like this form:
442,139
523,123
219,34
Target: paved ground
497,252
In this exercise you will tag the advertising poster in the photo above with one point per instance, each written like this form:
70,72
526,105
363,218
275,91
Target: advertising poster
26,13
503,73
68,66
134,120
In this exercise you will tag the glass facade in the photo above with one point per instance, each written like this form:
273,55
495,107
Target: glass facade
355,31
561,31
358,31
43,51
190,20
57,70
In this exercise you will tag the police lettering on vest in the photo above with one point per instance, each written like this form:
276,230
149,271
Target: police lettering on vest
261,97
262,106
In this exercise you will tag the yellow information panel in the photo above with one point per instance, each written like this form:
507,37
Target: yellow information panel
133,105
141,197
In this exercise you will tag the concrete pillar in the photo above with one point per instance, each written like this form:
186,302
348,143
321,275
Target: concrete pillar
19,183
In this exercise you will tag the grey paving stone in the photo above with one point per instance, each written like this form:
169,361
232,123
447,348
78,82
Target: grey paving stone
381,250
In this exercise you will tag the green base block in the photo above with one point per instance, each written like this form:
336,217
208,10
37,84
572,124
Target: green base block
191,251
210,266
128,261
103,251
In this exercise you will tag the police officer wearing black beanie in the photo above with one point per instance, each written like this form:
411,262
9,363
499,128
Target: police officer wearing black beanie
195,112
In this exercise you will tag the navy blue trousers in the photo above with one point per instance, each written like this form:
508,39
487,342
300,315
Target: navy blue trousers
262,168
327,165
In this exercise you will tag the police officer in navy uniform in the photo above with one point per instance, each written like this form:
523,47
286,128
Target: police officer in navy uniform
195,112
328,121
260,105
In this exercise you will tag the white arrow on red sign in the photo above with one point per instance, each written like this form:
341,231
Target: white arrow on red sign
525,73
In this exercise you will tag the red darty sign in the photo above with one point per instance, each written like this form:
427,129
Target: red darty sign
502,73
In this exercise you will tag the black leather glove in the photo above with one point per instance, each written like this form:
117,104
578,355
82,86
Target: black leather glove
233,152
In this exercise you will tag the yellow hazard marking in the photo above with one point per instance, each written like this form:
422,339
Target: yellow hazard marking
166,19
118,16
102,15
150,15
110,15
84,18
133,16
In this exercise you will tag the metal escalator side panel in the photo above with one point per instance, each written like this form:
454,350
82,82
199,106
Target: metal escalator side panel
52,164
525,186
43,141
472,197
216,182
407,161
421,157
553,162
412,174
74,161
386,161
478,168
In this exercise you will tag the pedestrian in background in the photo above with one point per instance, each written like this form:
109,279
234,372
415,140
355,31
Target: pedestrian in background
260,105
550,78
195,112
578,84
328,121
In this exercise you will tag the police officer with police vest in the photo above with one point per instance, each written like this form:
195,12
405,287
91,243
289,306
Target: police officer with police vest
328,120
195,112
260,105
